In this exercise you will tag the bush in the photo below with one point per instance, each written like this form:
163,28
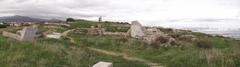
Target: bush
187,38
204,43
123,39
166,30
162,39
174,35
3,26
70,20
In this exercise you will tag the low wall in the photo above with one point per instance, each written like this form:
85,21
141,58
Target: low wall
116,33
11,35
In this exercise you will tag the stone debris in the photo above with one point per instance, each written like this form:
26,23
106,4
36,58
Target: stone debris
27,34
54,35
98,30
95,30
11,35
103,64
189,38
149,35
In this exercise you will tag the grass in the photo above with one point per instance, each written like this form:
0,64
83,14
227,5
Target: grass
109,26
224,51
54,53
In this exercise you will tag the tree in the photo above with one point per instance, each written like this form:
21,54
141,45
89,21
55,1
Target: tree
70,20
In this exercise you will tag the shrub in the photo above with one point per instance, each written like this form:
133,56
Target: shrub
81,31
166,30
174,35
162,39
204,43
69,19
3,26
187,38
123,39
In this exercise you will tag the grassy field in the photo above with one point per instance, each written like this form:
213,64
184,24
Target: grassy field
53,53
46,52
208,51
224,52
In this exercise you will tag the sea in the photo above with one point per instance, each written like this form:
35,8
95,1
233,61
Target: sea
226,28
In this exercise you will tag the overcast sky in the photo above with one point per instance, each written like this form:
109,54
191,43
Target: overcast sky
124,10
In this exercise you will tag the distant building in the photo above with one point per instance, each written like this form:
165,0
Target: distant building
100,19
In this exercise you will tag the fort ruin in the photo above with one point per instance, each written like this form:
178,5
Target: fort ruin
26,34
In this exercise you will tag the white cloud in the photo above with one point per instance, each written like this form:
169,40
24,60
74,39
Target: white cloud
125,10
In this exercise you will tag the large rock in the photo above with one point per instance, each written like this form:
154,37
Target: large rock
28,34
137,31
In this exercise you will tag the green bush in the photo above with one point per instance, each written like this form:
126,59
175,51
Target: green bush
204,43
3,26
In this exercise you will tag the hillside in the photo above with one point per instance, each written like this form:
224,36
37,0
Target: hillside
78,48
18,18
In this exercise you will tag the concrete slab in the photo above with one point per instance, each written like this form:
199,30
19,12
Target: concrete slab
103,64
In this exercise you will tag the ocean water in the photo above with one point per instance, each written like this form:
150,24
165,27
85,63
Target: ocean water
227,28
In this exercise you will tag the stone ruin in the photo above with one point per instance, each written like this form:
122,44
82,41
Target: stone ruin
149,35
27,34
95,30
136,30
103,64
51,34
98,30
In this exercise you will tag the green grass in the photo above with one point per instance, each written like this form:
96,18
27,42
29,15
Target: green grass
54,53
224,53
109,26
45,52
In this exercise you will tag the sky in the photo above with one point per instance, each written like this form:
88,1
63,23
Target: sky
148,12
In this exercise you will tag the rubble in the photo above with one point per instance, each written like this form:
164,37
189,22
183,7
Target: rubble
95,30
98,30
150,35
103,64
54,35
27,34
188,38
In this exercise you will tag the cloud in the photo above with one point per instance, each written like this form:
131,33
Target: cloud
124,10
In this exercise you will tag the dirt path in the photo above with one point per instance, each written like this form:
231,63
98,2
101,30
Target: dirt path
125,56
65,33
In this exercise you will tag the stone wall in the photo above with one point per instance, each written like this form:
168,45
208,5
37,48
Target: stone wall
11,35
116,33
27,34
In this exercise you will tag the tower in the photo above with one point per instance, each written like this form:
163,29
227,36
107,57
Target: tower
100,19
